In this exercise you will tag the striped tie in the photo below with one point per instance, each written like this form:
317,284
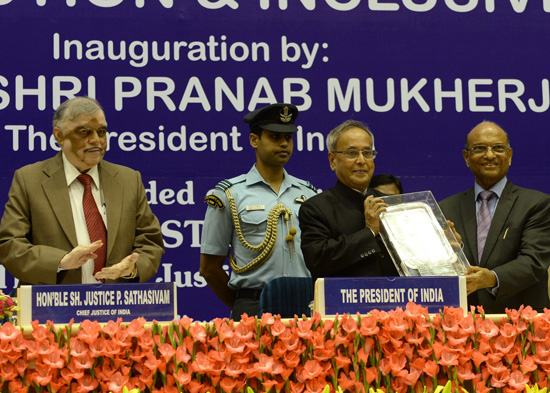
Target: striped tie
94,222
483,221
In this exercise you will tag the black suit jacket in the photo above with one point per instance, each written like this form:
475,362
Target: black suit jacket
335,241
517,248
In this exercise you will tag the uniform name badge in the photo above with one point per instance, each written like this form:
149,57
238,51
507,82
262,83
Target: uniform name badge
255,207
418,238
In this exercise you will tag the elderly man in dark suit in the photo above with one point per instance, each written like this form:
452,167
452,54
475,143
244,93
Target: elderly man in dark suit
340,226
75,218
505,228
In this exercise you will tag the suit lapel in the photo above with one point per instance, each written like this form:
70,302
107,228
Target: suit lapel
468,207
113,191
504,207
57,192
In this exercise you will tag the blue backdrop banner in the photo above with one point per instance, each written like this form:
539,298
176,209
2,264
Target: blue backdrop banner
176,77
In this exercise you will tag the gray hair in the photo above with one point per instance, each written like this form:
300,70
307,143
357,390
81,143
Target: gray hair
466,146
334,134
71,109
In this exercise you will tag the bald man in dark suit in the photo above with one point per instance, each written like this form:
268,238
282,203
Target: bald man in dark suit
511,269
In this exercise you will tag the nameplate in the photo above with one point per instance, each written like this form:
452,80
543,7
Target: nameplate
96,302
364,294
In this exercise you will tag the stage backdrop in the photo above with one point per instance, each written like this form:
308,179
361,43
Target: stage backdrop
176,77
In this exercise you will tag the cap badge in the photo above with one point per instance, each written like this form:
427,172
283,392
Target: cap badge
285,116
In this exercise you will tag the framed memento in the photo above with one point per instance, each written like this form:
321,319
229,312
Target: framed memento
418,239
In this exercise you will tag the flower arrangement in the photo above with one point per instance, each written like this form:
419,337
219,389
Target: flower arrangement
396,351
7,307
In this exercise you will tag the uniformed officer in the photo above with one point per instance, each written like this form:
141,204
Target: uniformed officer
256,214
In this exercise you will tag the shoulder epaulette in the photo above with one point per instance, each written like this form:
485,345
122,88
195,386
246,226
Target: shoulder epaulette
225,184
308,185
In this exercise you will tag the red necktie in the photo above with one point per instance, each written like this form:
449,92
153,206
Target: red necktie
94,222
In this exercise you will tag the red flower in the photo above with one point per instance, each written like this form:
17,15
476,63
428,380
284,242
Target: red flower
291,359
198,333
431,368
54,359
416,311
7,372
342,360
500,379
347,383
528,364
71,372
41,375
480,387
369,326
83,362
86,384
117,382
303,328
16,386
451,319
228,384
278,328
167,351
112,327
464,372
296,387
202,363
518,380
348,324
316,385
235,345
409,378
136,327
182,377
40,333
311,370
503,345
225,331
396,323
78,347
9,332
372,374
528,313
448,358
540,335
152,363
397,363
145,341
508,330
488,330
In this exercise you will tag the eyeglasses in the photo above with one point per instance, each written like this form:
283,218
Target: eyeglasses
352,154
481,150
87,132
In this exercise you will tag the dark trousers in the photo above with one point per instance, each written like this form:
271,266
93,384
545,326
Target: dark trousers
247,301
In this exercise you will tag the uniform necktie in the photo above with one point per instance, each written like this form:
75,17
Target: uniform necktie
94,222
483,221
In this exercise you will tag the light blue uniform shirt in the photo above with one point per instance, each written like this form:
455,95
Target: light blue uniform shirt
254,198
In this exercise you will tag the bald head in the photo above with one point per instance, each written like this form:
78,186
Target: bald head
485,125
487,153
